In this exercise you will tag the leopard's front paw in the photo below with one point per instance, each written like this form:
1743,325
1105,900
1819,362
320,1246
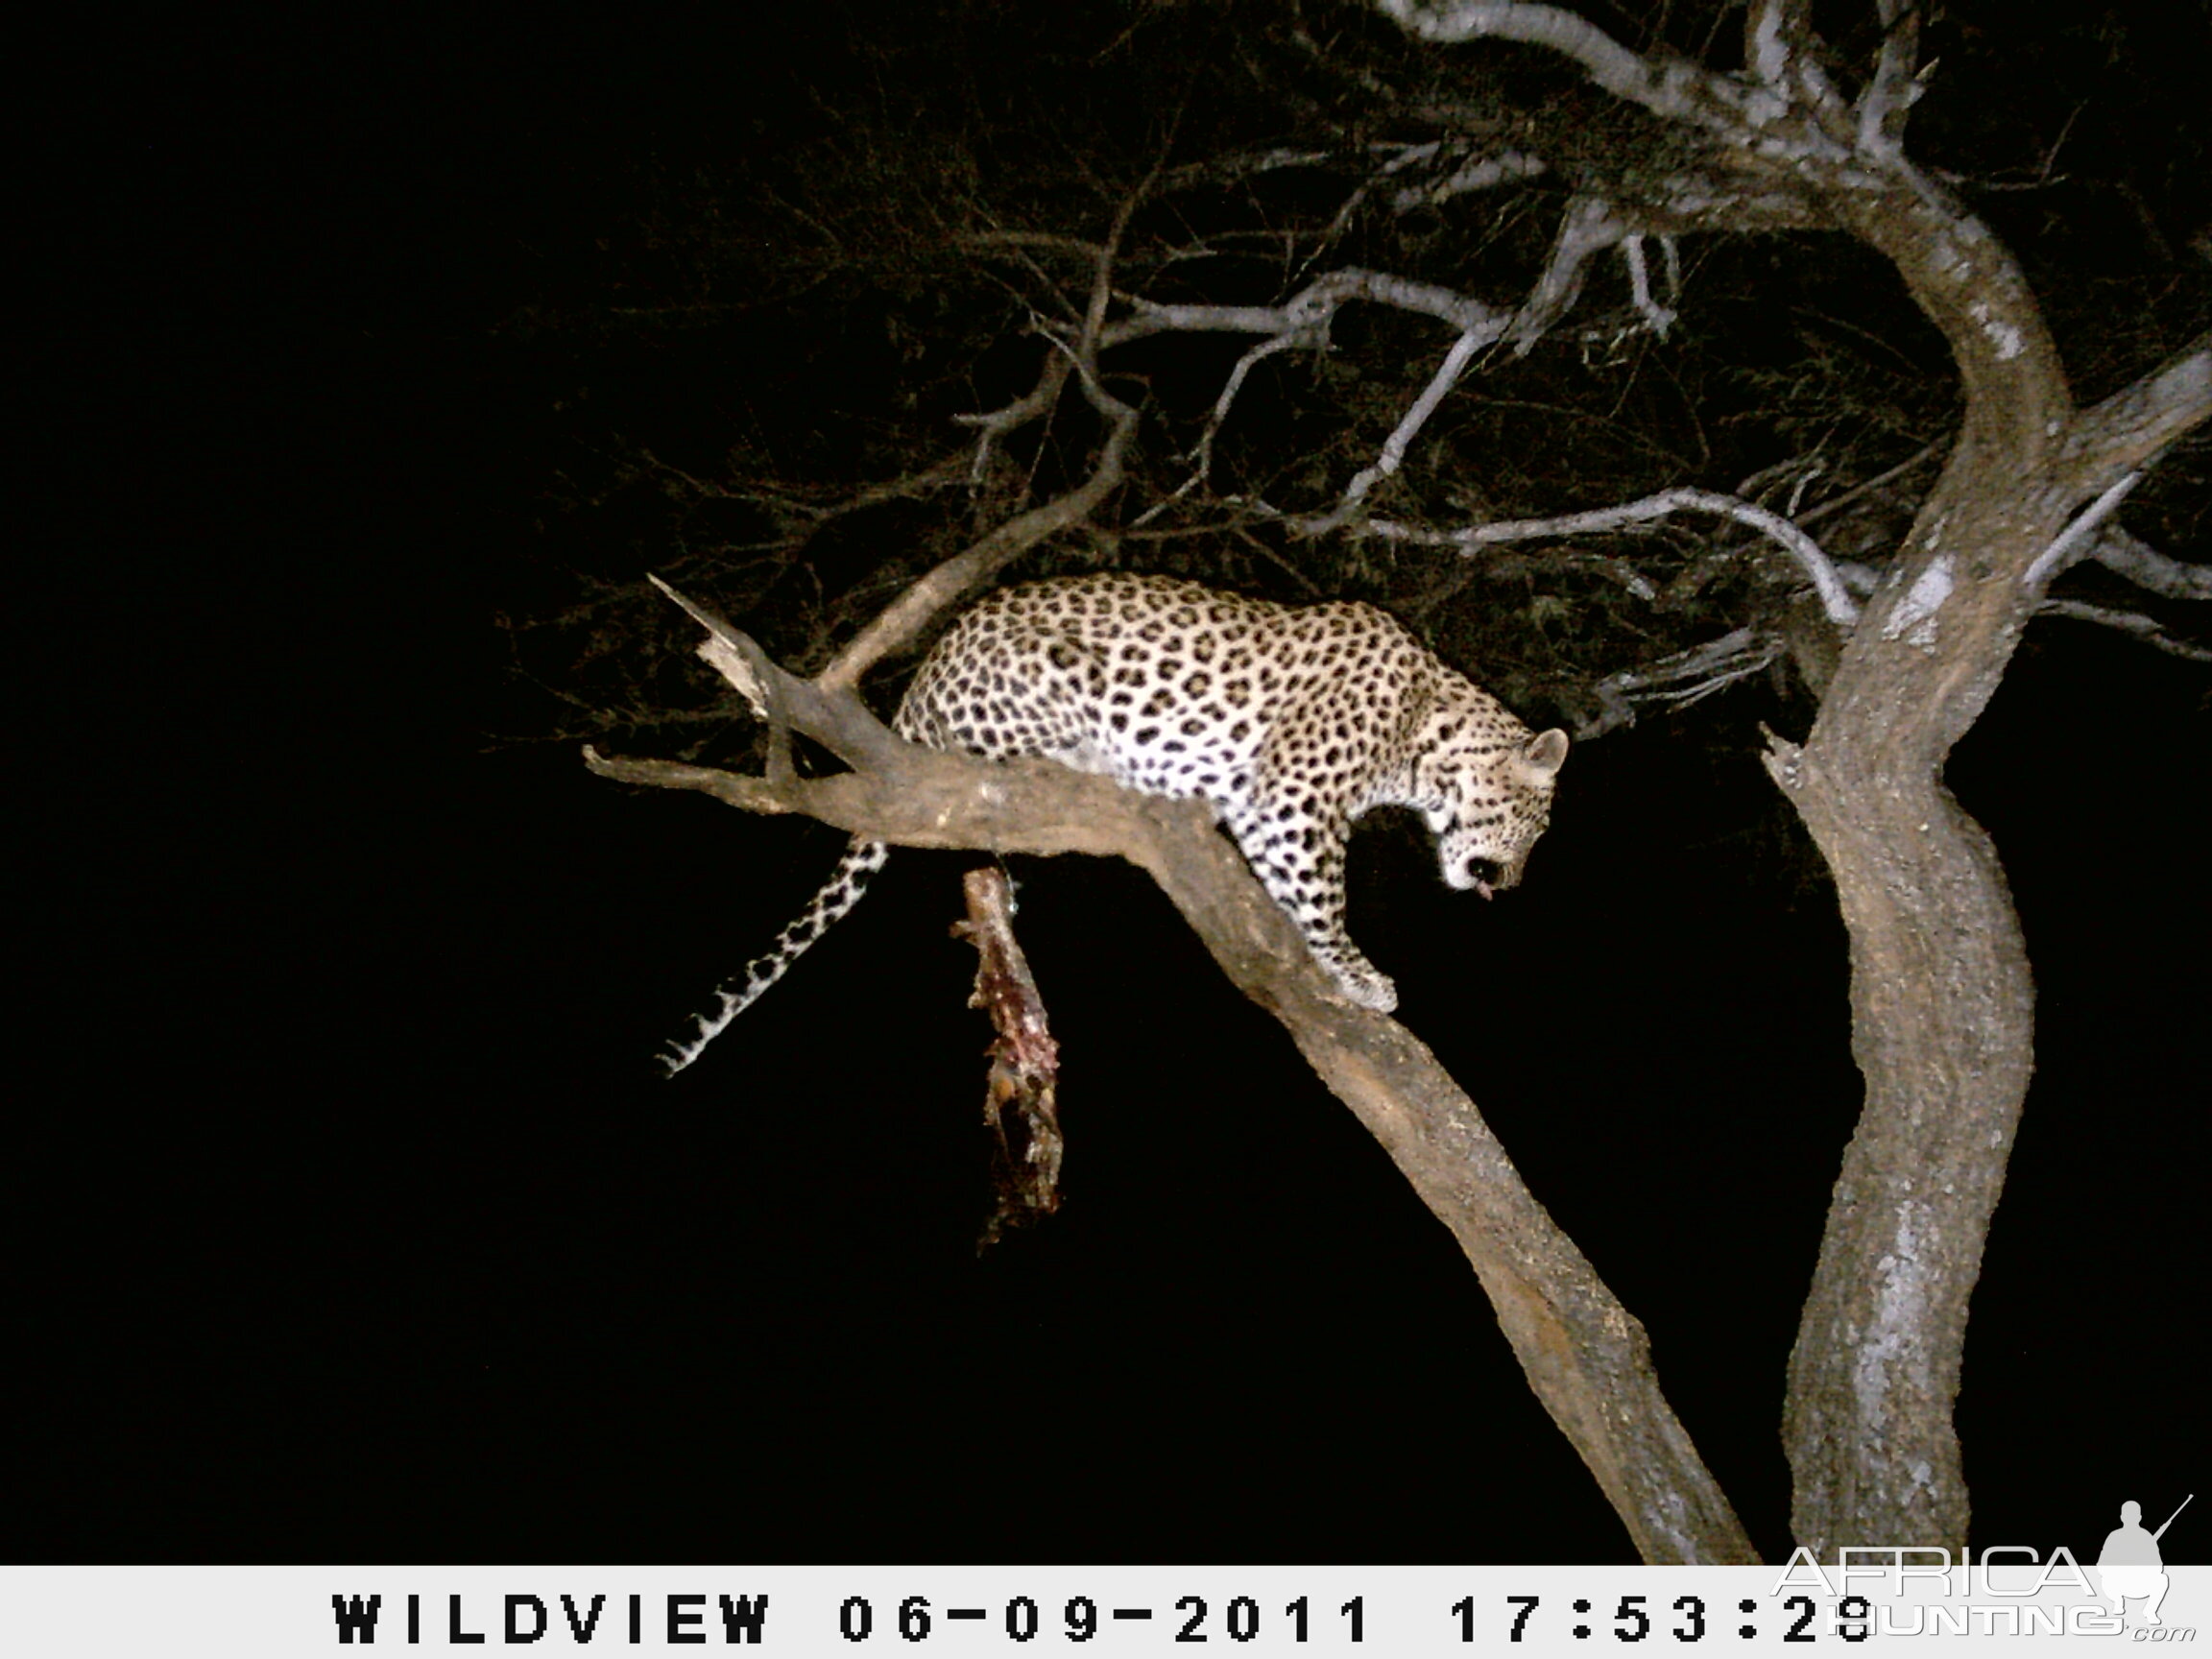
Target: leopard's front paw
1368,989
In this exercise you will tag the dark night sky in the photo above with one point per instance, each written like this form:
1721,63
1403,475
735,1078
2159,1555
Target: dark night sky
361,1228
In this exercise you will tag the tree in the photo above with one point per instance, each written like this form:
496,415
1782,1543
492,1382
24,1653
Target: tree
1903,644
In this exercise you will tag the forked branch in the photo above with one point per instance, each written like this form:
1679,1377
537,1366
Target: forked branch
1586,1358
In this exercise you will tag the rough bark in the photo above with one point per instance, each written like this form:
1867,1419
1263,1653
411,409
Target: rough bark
1942,1000
1941,994
1942,1028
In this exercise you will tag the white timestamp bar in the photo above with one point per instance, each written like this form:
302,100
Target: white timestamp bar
251,1612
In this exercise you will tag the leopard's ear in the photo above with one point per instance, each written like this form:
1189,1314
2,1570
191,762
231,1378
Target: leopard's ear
1546,751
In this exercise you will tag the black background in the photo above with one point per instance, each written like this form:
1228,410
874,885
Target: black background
357,1225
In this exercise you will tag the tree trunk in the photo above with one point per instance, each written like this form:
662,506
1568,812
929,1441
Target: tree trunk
1942,1027
1942,1003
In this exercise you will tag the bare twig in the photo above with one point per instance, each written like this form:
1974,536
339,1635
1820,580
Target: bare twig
2078,537
913,611
2143,565
1894,87
1679,680
1657,317
2131,622
1483,171
1309,308
1303,321
1589,225
994,424
1821,510
1400,440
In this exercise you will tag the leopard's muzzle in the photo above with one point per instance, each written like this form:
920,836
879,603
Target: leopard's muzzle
1486,876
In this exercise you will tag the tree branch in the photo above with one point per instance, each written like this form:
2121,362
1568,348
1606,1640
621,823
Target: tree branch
1679,680
993,426
2078,537
1941,997
908,614
1304,319
2144,627
1589,225
1894,87
1835,597
2143,565
1586,1358
1306,311
1408,427
2125,432
1486,170
1776,111
1609,64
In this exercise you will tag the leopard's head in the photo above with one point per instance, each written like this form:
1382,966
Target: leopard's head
1495,800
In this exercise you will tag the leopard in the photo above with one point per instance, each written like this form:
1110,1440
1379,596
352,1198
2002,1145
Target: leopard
1291,721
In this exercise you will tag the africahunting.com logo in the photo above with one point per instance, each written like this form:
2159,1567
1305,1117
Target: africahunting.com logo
2007,1590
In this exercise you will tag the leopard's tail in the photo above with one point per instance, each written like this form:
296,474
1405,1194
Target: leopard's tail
838,895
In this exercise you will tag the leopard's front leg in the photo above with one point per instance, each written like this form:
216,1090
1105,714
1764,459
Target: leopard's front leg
1301,863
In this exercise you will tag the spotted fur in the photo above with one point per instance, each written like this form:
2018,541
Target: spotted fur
1292,722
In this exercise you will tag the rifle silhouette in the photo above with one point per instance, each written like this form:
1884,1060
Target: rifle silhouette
2170,1520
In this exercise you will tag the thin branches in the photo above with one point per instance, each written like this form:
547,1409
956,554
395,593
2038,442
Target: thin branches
2140,563
1303,322
913,611
2133,623
1588,226
1835,595
1894,87
1679,680
1401,438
